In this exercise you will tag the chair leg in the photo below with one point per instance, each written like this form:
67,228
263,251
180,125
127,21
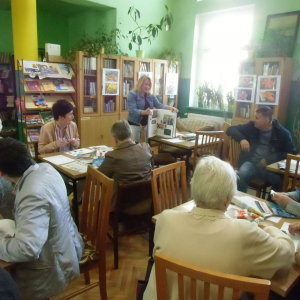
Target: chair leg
258,193
264,193
116,245
86,277
151,237
102,281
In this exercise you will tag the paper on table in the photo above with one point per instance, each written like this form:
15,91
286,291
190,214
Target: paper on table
295,238
78,166
58,159
175,140
274,219
78,151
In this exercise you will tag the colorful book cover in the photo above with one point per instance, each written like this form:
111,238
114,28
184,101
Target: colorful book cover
39,101
86,157
47,116
33,119
60,85
43,68
66,69
48,86
33,86
34,134
30,66
54,68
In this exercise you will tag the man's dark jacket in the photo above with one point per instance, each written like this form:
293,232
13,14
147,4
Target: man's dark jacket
281,142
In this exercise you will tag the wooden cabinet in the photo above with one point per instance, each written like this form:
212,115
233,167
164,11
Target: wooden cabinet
244,112
98,112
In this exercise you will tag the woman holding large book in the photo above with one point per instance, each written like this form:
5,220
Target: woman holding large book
140,102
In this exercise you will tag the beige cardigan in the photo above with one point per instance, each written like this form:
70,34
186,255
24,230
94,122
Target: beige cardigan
47,137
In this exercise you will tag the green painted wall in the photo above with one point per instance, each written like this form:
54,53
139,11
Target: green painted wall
185,13
6,36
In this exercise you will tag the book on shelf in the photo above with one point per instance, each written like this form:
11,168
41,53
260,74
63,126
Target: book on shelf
162,123
10,101
125,104
33,119
33,86
109,105
48,85
110,63
90,65
128,69
5,58
33,134
66,69
63,85
271,68
89,87
4,74
39,101
47,116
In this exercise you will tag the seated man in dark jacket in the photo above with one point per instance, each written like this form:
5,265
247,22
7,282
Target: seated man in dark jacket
263,142
128,163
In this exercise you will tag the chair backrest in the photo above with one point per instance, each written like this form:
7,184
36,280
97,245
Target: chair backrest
291,170
234,153
96,208
169,186
207,143
225,148
129,194
259,287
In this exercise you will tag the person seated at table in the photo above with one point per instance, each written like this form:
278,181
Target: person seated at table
289,201
8,288
128,163
263,141
207,237
46,242
61,134
140,102
7,199
295,228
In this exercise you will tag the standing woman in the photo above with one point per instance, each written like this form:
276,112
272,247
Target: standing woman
140,102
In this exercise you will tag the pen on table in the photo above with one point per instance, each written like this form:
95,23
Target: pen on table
251,209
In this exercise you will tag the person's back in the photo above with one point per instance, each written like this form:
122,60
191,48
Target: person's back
51,246
7,199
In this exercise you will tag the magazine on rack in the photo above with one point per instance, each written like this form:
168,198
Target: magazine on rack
162,123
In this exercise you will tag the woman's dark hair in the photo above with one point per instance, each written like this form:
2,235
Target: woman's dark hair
15,158
61,108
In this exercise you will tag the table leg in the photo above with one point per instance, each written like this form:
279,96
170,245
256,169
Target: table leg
75,204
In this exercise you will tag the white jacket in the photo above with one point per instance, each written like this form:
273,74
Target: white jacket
46,241
210,239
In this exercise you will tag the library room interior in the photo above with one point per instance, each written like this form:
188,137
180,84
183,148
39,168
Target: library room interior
149,149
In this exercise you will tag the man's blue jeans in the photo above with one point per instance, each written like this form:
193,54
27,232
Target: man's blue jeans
249,171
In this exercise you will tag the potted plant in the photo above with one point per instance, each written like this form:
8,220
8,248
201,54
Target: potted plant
201,95
170,55
219,97
230,101
150,32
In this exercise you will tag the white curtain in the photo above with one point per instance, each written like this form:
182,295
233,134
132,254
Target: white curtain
219,45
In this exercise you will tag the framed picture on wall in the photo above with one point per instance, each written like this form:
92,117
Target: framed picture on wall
268,88
245,91
280,34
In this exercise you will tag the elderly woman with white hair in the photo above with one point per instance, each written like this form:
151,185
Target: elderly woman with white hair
207,237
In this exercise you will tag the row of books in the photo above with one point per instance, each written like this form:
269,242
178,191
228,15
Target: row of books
110,64
41,118
33,134
58,85
271,69
89,87
244,111
127,86
109,106
6,115
4,74
128,69
5,58
48,69
144,67
10,101
90,65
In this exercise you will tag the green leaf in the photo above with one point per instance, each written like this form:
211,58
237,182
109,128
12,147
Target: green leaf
154,32
134,38
166,7
130,46
171,17
168,20
161,21
139,40
129,10
138,13
159,26
129,32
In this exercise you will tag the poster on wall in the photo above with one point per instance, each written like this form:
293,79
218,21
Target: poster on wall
171,84
245,91
268,88
110,84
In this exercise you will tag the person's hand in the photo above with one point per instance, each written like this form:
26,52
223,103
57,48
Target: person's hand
264,224
146,112
294,228
282,199
60,144
245,145
263,163
173,109
75,142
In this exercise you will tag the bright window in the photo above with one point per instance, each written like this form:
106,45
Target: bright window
219,45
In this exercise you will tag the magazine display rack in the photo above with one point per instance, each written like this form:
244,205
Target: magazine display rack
280,67
41,85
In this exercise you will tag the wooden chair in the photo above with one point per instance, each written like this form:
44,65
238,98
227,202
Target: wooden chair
259,287
225,147
94,224
169,186
258,184
209,144
291,172
128,194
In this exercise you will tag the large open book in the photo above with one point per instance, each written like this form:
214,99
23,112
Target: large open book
162,123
